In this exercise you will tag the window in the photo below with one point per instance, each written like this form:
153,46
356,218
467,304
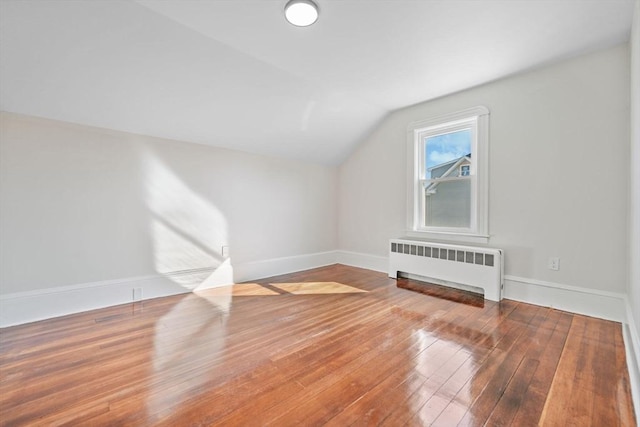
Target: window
448,171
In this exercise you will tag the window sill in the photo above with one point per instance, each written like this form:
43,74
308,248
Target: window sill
449,237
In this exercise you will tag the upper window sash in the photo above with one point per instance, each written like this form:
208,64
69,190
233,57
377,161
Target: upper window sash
421,136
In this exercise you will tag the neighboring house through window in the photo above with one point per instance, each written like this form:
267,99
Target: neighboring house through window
448,176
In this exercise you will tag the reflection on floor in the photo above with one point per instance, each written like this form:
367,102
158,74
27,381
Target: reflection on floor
443,292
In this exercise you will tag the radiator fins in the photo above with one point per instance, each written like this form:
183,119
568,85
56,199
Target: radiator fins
453,255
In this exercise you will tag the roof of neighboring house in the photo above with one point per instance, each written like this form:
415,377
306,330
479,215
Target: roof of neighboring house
454,164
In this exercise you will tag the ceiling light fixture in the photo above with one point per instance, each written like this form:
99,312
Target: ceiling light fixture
301,13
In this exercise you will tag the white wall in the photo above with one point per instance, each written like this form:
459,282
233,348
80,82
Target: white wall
634,282
633,291
559,159
83,205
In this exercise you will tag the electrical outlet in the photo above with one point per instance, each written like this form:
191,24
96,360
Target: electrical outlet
554,263
225,251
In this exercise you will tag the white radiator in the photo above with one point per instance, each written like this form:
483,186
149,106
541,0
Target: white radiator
449,264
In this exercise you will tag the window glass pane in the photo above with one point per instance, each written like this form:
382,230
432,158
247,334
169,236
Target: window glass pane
448,204
445,154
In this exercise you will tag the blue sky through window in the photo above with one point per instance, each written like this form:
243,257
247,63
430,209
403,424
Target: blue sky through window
443,148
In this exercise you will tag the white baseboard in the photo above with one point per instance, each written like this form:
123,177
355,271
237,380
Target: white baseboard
26,307
277,266
366,261
31,306
590,302
632,347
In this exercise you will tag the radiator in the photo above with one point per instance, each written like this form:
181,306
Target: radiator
466,266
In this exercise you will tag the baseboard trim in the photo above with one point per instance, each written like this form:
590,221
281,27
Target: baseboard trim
632,348
589,302
32,306
366,261
27,307
277,266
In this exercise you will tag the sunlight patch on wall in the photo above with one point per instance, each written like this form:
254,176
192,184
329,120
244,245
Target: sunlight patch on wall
175,252
222,275
187,230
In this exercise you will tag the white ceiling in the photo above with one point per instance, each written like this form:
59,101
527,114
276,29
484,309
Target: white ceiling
234,73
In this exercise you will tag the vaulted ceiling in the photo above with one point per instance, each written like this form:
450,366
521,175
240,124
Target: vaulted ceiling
235,74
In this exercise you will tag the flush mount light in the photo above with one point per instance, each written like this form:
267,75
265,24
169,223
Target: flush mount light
301,13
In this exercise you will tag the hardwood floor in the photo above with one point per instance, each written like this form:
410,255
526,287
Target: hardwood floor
332,346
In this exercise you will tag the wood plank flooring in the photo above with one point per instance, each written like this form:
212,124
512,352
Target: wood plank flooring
335,346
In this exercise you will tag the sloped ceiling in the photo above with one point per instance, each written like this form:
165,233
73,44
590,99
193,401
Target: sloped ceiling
235,74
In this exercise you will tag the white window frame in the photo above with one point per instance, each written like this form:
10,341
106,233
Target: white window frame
477,119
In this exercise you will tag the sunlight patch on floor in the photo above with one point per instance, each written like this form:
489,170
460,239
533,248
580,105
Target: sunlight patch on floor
271,289
307,288
239,290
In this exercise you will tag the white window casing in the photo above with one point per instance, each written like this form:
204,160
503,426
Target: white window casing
477,120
